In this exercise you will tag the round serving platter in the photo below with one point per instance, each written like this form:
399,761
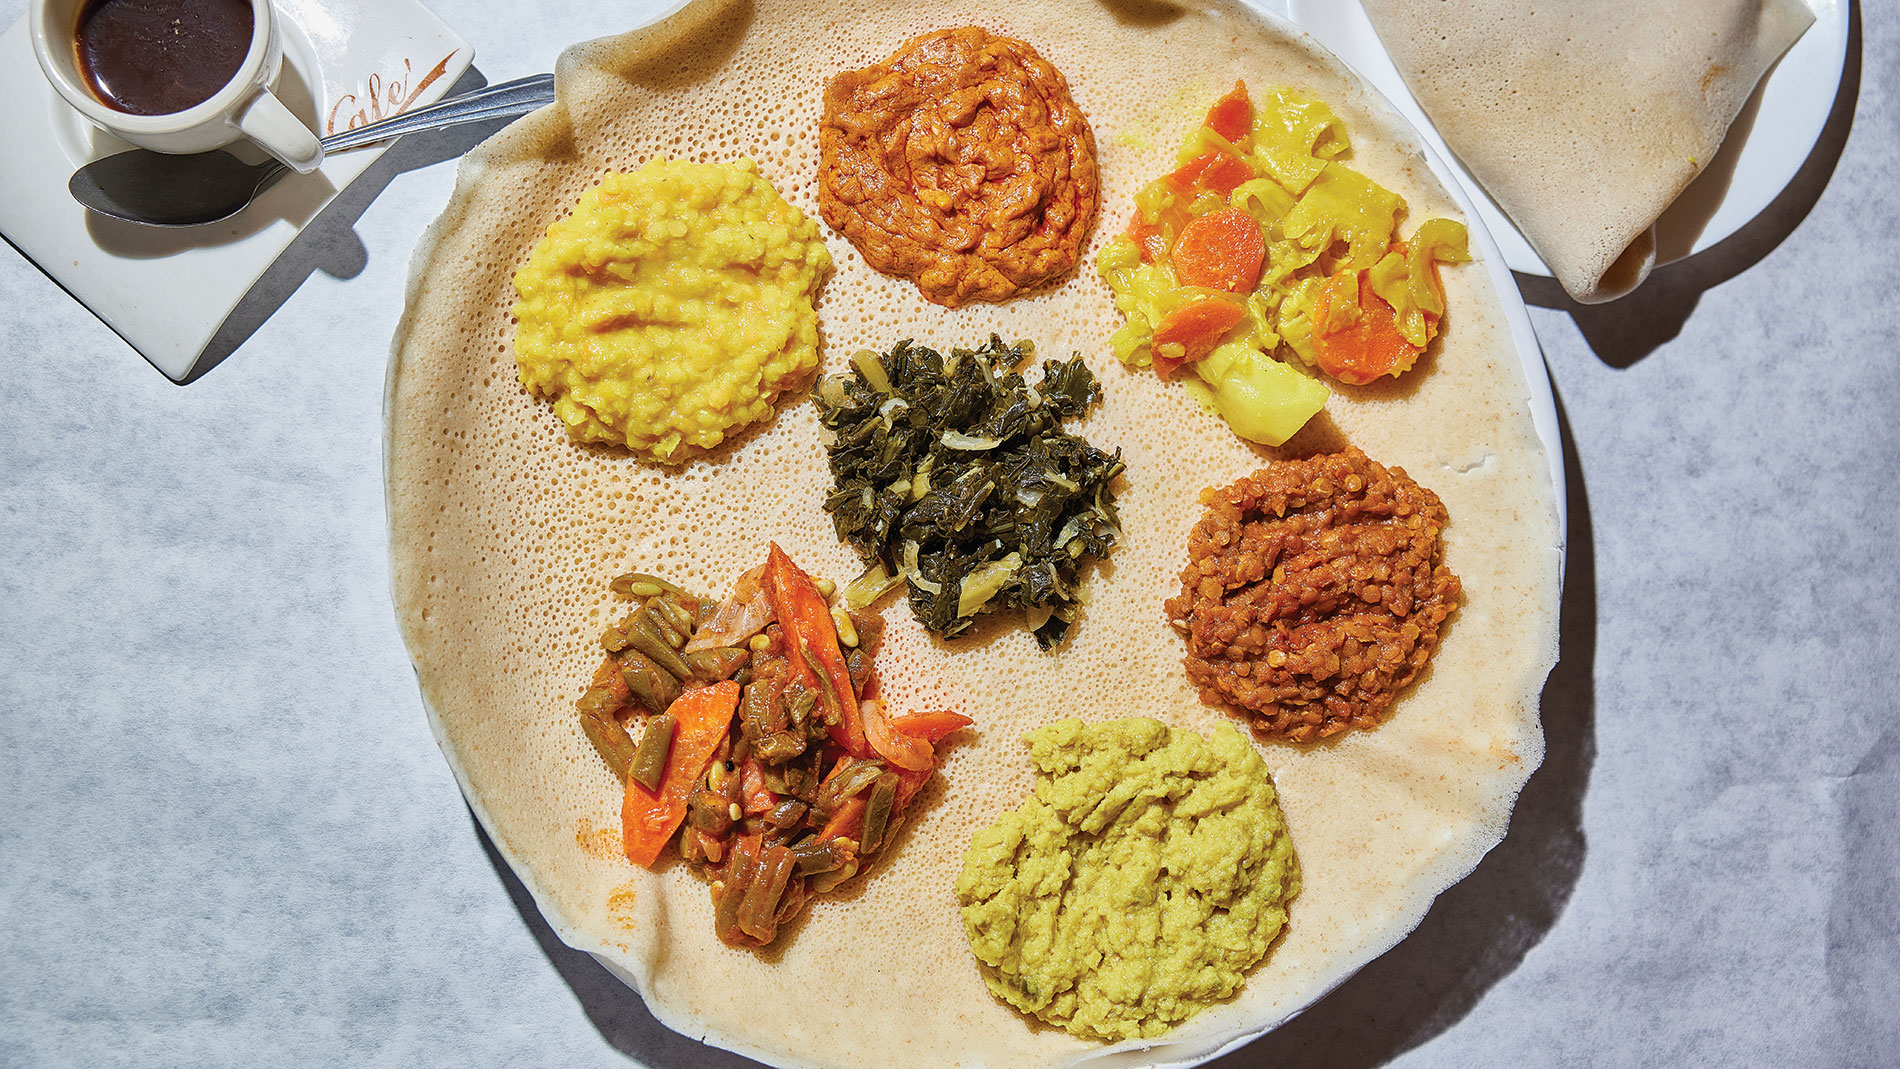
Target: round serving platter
491,378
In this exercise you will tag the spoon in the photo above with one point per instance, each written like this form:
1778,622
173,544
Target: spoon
165,189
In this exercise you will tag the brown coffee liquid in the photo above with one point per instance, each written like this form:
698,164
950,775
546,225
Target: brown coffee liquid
154,57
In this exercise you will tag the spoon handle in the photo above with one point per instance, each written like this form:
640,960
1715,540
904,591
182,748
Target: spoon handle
497,101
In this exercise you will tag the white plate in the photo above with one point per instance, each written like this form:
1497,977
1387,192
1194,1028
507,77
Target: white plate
166,292
1766,146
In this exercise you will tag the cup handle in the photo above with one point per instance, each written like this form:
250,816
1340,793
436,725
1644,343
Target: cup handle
265,120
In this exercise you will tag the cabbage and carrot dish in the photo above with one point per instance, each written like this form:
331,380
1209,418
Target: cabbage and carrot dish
750,737
1262,255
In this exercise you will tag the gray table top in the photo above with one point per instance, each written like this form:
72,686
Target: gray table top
228,837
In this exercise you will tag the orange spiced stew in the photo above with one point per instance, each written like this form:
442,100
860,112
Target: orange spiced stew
960,163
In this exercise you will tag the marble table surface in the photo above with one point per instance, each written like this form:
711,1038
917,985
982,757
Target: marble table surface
227,838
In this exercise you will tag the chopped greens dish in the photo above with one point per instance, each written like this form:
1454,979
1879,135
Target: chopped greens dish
954,475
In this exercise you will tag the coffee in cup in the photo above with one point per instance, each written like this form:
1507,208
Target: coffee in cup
173,75
155,57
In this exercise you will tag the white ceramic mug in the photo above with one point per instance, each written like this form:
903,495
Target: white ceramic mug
243,108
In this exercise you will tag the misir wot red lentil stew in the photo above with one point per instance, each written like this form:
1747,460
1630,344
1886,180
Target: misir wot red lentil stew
1315,591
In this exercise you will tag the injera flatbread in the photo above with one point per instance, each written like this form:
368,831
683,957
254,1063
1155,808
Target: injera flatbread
1585,119
504,535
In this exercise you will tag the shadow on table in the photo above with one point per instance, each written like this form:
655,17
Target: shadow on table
616,1011
1480,929
329,243
1628,329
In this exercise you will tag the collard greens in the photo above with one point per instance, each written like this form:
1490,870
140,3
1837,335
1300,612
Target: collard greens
955,475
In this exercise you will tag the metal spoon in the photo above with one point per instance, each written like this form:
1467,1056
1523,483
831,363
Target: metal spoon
164,189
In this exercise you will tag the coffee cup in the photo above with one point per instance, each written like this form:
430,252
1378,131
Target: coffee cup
242,107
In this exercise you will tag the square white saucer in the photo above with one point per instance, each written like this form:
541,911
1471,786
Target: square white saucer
166,292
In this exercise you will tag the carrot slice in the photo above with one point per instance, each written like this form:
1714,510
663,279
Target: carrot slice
1232,115
1196,328
1215,170
930,726
908,784
648,819
1148,238
814,651
1221,250
899,749
847,822
1340,288
1371,345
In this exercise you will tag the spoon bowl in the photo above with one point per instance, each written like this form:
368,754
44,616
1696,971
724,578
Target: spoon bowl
160,189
